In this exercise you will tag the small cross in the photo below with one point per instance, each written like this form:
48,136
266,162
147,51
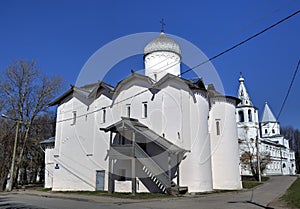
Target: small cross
162,25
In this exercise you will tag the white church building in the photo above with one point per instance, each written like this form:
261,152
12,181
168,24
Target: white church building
155,132
262,138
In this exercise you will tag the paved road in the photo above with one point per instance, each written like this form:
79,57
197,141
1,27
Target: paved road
252,199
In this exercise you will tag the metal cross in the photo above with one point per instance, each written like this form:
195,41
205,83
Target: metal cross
162,25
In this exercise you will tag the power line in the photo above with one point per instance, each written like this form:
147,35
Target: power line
242,42
198,65
289,90
227,50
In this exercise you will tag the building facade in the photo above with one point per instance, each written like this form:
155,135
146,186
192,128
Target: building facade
156,132
261,138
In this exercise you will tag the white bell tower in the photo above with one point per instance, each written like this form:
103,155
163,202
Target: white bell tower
269,124
246,115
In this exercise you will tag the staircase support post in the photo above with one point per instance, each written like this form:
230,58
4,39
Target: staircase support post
110,176
178,176
169,173
133,174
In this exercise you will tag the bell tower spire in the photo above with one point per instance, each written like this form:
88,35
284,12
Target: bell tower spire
242,93
246,115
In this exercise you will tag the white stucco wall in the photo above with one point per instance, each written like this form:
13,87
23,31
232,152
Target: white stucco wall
158,64
224,145
182,119
80,148
49,167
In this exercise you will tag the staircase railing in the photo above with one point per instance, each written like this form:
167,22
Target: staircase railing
152,169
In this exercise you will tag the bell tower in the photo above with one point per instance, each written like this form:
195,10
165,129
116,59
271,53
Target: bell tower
246,115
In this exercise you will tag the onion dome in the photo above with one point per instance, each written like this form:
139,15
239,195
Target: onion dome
162,43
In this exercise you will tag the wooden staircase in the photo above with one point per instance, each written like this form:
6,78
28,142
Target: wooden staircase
157,175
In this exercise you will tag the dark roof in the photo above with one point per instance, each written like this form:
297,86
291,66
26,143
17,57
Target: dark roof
130,77
274,143
192,84
135,125
213,93
85,91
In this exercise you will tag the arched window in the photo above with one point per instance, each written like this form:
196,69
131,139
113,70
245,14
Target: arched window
249,115
273,131
241,116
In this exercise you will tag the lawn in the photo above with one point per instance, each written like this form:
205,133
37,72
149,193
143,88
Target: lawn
292,196
250,184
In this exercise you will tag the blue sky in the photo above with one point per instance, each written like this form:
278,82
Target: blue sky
62,35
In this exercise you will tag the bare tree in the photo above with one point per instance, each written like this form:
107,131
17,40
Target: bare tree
249,160
293,135
6,133
26,92
252,159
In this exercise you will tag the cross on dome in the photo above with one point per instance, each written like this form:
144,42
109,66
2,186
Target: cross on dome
162,25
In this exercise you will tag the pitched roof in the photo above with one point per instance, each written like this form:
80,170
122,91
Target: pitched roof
268,116
135,125
213,93
86,91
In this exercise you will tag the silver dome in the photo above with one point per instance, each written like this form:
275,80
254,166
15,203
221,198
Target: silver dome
162,43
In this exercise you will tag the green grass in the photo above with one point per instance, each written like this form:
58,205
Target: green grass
292,196
265,178
250,184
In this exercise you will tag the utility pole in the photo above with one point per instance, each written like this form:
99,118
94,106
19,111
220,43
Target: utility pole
11,180
258,158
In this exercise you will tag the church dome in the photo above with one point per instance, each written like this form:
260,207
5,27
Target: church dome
162,43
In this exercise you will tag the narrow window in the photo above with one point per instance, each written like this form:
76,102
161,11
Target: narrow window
218,127
145,110
74,118
178,135
155,76
266,131
103,115
273,131
249,115
128,111
241,116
